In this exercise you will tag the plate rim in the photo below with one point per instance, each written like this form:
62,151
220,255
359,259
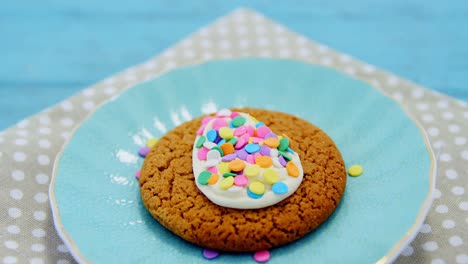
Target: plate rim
391,254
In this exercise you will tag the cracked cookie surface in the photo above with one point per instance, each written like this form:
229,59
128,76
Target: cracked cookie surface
169,192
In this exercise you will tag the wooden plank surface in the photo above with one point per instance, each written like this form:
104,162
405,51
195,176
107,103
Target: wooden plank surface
50,49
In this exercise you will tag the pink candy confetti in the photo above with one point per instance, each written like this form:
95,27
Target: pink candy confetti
262,256
210,254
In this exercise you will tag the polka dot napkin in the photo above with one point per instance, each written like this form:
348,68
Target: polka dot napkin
28,150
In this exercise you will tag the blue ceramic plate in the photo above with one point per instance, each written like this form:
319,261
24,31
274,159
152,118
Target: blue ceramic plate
95,196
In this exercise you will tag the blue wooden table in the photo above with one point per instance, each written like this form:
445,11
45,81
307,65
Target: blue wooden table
50,50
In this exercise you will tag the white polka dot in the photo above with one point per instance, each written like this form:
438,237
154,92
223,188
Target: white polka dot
448,224
392,80
38,232
408,251
279,29
207,55
17,175
428,118
187,43
21,141
66,105
67,122
40,215
455,241
442,104
189,53
170,65
206,43
458,190
433,131
284,53
260,30
2,140
14,212
111,90
168,53
463,206
430,246
326,61
23,124
442,209
437,194
65,135
11,244
225,44
439,144
454,128
445,157
63,261
43,160
304,52
462,259
301,40
88,105
451,174
41,178
437,261
36,261
19,156
44,130
464,154
244,43
88,92
44,120
265,53
425,229
37,247
13,229
241,30
368,68
44,143
460,141
22,132
422,106
130,76
447,115
62,248
41,197
417,93
398,96
10,260
263,42
350,70
465,115
16,194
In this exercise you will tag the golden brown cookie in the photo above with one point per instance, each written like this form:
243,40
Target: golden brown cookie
169,192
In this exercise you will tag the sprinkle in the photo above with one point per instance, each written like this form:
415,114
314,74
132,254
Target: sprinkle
204,177
233,141
283,144
229,157
234,114
241,180
223,167
223,113
212,162
238,121
209,145
151,142
276,162
270,176
252,170
137,174
219,123
226,133
210,254
217,148
271,142
290,150
282,161
256,140
250,159
271,135
257,187
236,165
200,142
202,152
250,130
355,170
206,120
213,179
261,256
263,161
240,131
212,135
259,124
263,131
274,153
226,183
212,169
292,169
200,130
285,155
279,188
222,141
252,148
265,150
229,174
242,154
227,148
213,154
144,151
253,195
240,143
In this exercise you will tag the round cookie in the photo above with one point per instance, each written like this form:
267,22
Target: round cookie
169,192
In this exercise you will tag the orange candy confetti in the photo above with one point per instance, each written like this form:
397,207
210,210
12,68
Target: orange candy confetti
263,161
227,148
236,165
271,142
213,179
292,169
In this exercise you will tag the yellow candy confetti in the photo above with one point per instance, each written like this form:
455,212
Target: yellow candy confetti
226,183
270,176
355,170
223,167
257,187
226,133
151,142
252,170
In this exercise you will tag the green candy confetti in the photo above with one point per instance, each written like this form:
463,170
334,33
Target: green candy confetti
204,177
200,142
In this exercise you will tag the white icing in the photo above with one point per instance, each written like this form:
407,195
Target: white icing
236,196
